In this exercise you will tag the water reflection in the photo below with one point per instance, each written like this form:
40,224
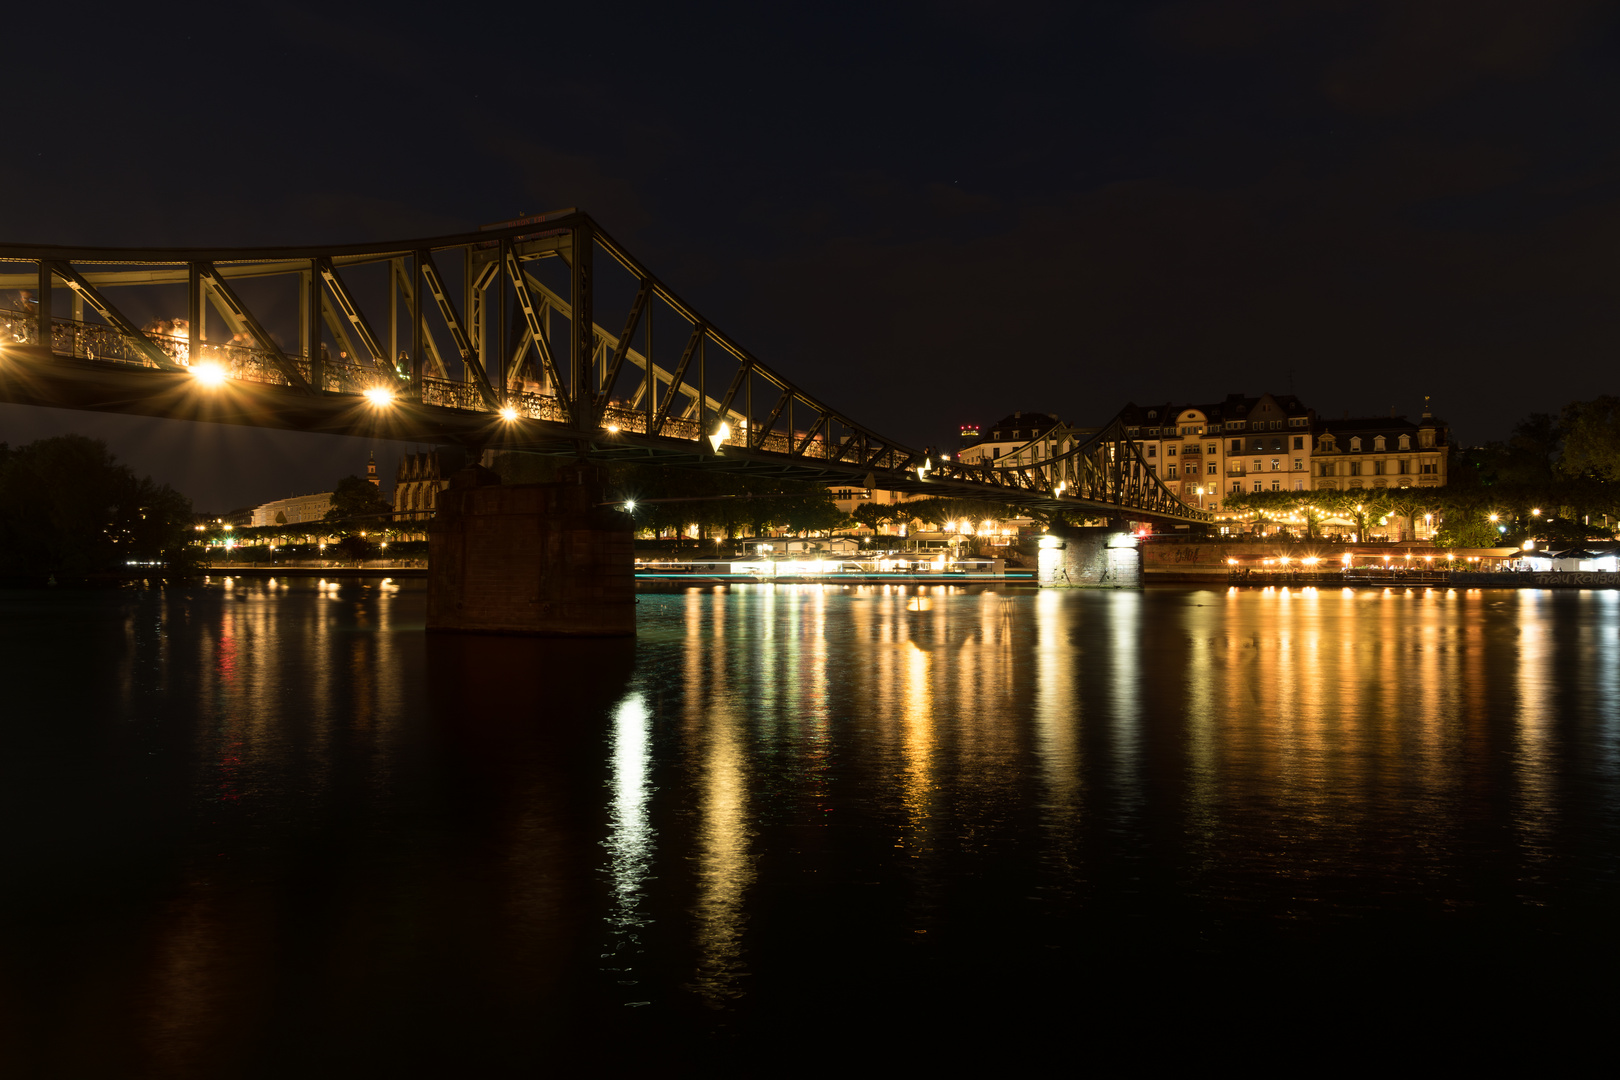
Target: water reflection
631,840
289,809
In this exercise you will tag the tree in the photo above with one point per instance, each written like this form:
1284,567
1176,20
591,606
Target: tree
1408,503
1592,439
871,515
69,510
1364,505
357,497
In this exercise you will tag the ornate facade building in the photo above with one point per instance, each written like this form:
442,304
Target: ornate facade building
1206,452
417,484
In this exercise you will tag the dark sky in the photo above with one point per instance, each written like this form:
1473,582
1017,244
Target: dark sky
924,213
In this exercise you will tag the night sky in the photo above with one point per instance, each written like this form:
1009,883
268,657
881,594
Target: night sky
926,214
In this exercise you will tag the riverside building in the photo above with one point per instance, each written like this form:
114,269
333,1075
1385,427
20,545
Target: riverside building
1380,452
1210,451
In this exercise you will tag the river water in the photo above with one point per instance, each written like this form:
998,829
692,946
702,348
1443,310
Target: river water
274,828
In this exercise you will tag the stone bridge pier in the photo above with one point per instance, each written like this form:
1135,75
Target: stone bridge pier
1096,557
542,559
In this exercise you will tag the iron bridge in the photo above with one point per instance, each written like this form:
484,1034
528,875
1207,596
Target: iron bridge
488,340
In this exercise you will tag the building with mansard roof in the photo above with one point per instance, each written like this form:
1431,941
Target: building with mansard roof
1003,437
1380,452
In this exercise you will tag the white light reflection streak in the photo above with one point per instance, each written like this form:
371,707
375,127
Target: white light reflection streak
1126,693
1534,762
1606,662
631,838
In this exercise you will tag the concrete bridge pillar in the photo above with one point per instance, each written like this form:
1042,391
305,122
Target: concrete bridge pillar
541,559
1106,557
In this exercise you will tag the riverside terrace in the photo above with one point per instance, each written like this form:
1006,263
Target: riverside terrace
1191,560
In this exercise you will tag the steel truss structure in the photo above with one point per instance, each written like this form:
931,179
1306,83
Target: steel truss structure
490,340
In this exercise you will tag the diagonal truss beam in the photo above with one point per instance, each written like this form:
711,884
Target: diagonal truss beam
402,281
770,421
630,324
238,311
743,371
357,318
137,337
531,316
435,284
809,436
693,343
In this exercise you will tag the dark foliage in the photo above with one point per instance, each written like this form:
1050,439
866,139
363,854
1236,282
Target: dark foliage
68,510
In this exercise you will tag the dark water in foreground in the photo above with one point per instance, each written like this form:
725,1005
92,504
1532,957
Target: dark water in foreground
278,830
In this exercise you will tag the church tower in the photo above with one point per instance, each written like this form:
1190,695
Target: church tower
371,471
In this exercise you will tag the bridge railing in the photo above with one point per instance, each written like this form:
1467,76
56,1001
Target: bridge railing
94,341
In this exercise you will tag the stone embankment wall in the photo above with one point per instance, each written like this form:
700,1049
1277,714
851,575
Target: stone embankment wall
1090,558
540,559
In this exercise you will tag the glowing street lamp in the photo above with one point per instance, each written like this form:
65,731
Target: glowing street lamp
508,413
380,396
208,373
721,434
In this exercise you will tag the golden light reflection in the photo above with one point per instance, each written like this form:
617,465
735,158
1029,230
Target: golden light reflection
714,730
1535,765
1058,717
725,869
917,744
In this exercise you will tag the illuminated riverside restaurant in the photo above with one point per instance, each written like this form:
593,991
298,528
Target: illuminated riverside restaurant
1598,558
812,565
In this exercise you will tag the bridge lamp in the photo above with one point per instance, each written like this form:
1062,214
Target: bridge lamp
208,373
508,413
380,396
721,434
629,506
